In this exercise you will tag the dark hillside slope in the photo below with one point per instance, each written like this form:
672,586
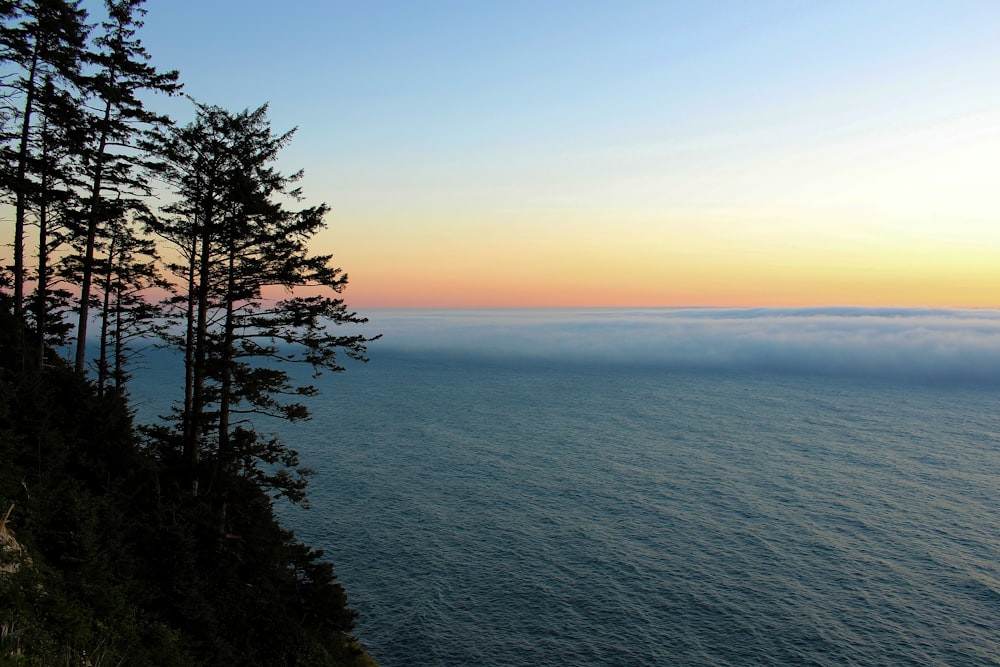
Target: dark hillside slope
105,561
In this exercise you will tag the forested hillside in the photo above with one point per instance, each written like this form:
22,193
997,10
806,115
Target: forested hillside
153,544
109,558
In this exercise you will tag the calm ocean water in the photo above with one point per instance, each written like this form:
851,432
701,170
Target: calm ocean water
514,496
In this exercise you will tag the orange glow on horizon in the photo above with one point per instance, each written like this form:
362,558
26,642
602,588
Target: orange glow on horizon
651,262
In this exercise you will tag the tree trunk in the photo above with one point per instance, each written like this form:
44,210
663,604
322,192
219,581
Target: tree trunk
226,390
43,256
88,257
189,340
102,361
193,446
21,203
119,341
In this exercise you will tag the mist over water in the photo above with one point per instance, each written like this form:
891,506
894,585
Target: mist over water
653,487
891,343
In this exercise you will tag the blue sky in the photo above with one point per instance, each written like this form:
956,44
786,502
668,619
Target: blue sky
554,135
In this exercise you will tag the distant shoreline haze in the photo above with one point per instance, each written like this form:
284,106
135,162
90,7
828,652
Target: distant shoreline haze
893,343
899,345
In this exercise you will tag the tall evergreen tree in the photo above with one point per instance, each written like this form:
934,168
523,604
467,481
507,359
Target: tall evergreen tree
11,45
127,274
240,240
43,40
190,160
121,74
56,209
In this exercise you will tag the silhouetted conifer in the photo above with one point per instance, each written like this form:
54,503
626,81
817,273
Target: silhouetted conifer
42,47
118,73
231,224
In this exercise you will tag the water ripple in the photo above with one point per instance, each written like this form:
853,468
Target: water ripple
514,515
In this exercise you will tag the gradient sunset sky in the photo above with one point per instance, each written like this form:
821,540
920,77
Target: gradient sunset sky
575,153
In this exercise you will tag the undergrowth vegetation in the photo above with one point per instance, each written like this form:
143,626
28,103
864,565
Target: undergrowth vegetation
108,560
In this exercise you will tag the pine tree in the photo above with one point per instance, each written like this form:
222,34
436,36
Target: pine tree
56,209
118,119
128,273
42,40
240,240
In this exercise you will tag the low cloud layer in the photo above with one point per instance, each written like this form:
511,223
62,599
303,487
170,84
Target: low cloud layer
924,344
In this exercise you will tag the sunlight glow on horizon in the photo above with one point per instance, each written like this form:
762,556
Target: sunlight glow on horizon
776,258
653,154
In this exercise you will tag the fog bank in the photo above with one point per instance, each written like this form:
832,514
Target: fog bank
925,344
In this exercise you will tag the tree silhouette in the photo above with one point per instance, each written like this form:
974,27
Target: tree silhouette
239,241
117,118
43,40
154,562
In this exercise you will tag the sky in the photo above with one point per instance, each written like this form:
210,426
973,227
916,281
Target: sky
579,153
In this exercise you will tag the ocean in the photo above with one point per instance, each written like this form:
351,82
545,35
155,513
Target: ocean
664,487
